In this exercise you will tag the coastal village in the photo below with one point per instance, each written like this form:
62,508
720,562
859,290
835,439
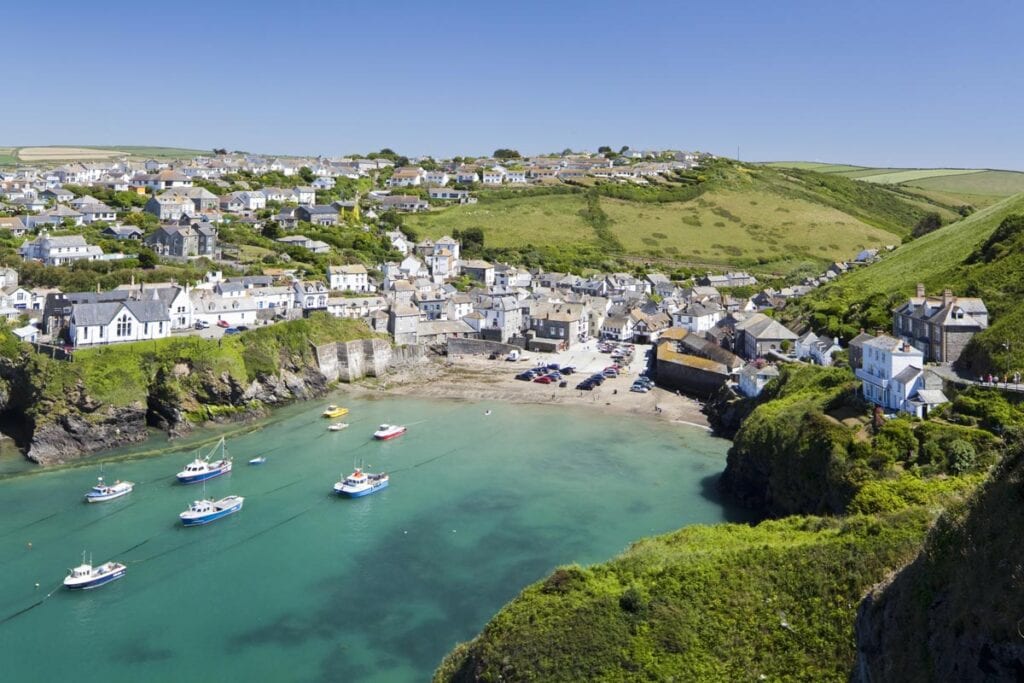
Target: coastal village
707,331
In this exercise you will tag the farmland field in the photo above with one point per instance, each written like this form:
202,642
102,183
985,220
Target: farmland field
896,177
725,225
66,153
993,183
544,220
7,156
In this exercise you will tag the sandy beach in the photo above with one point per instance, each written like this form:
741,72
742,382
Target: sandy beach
475,378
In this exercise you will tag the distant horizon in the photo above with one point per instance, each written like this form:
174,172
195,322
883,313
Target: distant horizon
113,147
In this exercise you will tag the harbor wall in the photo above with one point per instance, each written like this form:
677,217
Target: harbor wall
479,347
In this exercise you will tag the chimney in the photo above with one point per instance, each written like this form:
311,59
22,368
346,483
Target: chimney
920,290
947,297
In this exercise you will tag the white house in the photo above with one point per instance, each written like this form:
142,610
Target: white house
350,278
493,176
698,318
892,376
56,251
310,294
109,322
753,378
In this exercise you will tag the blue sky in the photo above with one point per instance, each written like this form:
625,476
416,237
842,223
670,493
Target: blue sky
875,83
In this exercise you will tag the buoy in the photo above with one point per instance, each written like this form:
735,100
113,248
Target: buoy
37,584
30,545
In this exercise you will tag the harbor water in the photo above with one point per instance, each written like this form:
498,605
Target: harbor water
304,586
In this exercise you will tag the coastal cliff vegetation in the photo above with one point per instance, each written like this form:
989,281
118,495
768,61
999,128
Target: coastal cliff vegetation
110,395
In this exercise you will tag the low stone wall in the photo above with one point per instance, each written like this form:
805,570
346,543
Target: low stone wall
479,347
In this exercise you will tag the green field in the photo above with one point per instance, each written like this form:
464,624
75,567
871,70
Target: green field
724,226
544,220
7,156
157,152
992,183
897,177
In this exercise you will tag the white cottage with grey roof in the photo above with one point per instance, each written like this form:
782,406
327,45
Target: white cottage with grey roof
56,251
110,322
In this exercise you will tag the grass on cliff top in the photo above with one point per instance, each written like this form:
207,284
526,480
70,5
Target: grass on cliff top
122,374
706,603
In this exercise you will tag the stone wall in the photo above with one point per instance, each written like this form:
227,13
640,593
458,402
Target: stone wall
349,361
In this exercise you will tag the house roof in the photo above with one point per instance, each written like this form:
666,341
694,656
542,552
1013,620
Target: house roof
907,375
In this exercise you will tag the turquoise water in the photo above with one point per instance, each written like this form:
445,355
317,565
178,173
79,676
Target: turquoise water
305,586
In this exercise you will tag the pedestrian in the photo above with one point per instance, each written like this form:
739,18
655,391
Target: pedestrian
989,378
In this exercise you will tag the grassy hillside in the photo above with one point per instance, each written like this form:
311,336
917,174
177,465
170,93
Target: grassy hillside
954,613
940,259
775,221
726,603
992,183
65,153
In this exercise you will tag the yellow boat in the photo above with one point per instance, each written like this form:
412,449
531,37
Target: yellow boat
335,411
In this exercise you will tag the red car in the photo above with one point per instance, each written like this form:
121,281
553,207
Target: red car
545,379
223,323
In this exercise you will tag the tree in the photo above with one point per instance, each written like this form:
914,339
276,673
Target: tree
147,258
930,222
505,153
306,173
220,151
604,149
625,148
272,230
472,239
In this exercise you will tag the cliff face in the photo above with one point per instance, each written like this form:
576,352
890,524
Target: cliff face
955,613
788,456
112,396
84,425
727,410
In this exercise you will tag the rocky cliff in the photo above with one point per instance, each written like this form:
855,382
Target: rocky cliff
956,613
113,396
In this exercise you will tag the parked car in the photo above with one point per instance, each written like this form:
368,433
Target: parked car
543,379
223,323
232,330
242,328
201,325
585,386
567,369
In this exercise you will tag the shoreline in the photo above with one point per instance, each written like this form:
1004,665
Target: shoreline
478,379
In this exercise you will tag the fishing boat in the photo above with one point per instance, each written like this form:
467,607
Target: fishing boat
202,469
361,483
337,426
335,411
86,576
206,511
259,460
102,492
386,431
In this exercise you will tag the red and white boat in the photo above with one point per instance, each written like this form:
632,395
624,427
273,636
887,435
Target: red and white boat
385,432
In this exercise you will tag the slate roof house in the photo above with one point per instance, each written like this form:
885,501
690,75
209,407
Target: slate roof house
317,214
184,241
56,251
939,327
893,377
109,322
759,334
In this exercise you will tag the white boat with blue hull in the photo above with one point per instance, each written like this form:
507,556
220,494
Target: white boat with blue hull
205,511
103,492
360,484
85,576
201,469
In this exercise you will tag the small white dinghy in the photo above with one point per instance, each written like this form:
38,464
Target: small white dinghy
337,426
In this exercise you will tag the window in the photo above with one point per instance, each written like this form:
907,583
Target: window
124,326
